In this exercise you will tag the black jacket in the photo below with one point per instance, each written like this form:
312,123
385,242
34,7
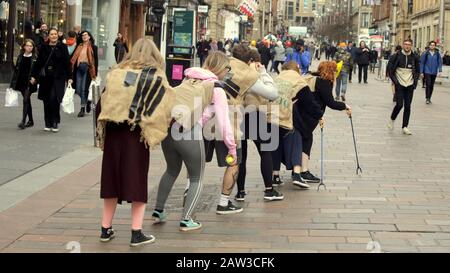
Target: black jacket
401,60
61,70
362,57
16,72
306,112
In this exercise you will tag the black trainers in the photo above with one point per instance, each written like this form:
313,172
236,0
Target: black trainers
272,195
88,107
240,196
298,181
107,234
229,209
138,238
309,177
276,181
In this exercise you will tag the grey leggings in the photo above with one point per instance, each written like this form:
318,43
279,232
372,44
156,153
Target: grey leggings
192,153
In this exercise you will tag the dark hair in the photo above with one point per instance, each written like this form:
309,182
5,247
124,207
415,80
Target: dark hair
398,48
432,42
255,56
91,38
72,34
408,40
52,28
362,42
241,52
22,50
300,42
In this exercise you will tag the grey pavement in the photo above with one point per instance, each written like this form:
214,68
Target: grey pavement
400,203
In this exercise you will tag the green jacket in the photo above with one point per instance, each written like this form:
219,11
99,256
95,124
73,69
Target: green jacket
346,57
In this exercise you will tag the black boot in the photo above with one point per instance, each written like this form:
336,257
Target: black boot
81,113
21,125
138,238
88,107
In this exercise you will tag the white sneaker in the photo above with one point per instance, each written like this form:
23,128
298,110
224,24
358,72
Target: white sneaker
47,129
406,131
390,124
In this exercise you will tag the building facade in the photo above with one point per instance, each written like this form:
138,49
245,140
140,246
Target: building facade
425,23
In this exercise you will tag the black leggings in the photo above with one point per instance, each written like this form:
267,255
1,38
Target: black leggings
265,165
307,141
362,68
27,109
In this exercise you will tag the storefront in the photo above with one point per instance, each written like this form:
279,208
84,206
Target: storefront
100,18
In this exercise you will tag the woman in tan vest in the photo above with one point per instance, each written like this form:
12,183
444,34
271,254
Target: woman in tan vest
135,114
198,95
240,81
254,122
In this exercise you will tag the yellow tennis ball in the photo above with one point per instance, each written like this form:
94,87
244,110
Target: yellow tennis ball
229,159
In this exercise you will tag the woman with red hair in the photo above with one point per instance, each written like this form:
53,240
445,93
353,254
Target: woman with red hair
323,94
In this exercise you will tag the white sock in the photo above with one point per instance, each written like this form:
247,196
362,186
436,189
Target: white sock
224,200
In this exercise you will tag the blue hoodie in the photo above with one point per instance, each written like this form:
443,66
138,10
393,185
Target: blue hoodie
433,63
302,59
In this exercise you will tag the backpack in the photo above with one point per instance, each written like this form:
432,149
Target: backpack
187,110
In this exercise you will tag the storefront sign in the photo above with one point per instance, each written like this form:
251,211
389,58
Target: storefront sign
202,9
177,72
183,30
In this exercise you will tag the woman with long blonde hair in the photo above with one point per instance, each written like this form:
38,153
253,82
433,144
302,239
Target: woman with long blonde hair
134,116
185,142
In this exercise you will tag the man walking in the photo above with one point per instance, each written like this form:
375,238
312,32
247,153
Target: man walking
430,66
347,62
300,56
404,71
363,59
352,50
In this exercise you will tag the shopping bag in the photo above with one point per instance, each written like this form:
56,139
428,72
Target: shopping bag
11,98
91,89
67,103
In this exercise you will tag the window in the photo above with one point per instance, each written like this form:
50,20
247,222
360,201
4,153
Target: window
290,11
297,6
365,19
428,34
314,4
305,5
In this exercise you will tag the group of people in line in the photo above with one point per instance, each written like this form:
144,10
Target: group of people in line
218,107
239,101
48,62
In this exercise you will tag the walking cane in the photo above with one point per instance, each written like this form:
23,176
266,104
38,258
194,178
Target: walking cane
321,161
358,168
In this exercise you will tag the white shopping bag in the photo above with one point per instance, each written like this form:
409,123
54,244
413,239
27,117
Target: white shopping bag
11,98
67,103
91,89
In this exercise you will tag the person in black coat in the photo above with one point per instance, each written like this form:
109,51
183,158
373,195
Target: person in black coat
363,60
264,51
323,97
21,80
52,70
84,63
120,47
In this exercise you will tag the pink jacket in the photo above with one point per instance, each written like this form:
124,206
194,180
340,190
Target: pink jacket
218,107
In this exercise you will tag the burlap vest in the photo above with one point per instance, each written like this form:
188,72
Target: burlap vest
311,81
192,97
289,83
242,78
141,98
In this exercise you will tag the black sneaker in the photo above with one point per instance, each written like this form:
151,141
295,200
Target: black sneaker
229,209
240,196
272,195
88,107
138,238
309,177
276,181
298,181
107,234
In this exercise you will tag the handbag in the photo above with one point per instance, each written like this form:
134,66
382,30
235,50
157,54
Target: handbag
67,103
42,73
11,98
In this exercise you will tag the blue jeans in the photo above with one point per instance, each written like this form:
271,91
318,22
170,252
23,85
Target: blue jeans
341,84
81,82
